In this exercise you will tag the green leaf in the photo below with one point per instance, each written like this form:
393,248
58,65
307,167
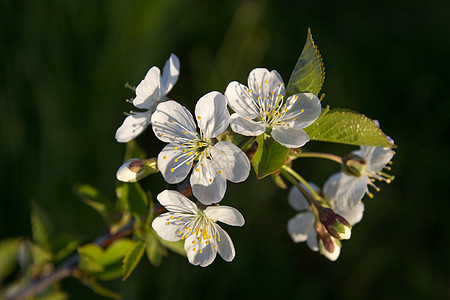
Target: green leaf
154,250
134,151
177,247
132,258
41,226
347,127
132,198
92,197
40,255
64,245
269,157
309,73
106,264
9,249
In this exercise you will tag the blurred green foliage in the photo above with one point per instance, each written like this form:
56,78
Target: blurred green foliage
63,69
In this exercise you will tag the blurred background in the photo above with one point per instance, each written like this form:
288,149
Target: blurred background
63,69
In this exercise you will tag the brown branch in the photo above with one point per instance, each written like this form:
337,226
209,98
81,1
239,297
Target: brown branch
68,267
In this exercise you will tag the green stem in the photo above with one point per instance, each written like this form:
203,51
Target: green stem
332,157
248,144
310,194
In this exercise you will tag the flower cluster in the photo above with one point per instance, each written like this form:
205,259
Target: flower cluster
198,146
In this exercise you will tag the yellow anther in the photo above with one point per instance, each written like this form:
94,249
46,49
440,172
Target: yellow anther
215,246
194,249
249,91
182,237
285,110
202,165
199,117
179,218
388,181
197,170
189,153
167,223
175,160
220,172
207,242
210,180
179,232
293,119
131,111
171,170
218,240
223,152
196,153
172,122
390,163
273,93
282,123
175,138
194,242
185,132
260,87
370,195
188,162
165,157
248,118
171,217
265,81
162,134
200,251
175,148
302,110
296,97
378,189
259,97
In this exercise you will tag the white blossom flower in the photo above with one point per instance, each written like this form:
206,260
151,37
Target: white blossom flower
151,91
350,188
302,226
261,107
203,236
215,163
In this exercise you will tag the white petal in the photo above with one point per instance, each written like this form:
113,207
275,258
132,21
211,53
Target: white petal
173,122
353,215
231,160
246,127
207,185
304,107
312,240
169,228
225,214
174,201
225,245
148,91
124,174
239,99
297,200
212,114
345,191
170,74
198,252
262,82
289,137
300,226
132,126
174,164
377,157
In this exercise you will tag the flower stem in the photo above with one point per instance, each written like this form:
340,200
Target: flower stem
309,192
248,144
329,156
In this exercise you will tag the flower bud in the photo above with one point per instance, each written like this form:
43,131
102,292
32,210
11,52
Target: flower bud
336,225
328,245
353,165
136,169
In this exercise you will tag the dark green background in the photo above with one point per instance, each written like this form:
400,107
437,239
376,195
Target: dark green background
63,65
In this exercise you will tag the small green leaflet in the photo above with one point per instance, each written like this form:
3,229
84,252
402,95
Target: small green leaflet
92,197
269,157
309,73
132,198
347,127
41,226
9,249
132,258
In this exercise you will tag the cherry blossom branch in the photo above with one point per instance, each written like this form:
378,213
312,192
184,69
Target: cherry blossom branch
329,156
68,267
